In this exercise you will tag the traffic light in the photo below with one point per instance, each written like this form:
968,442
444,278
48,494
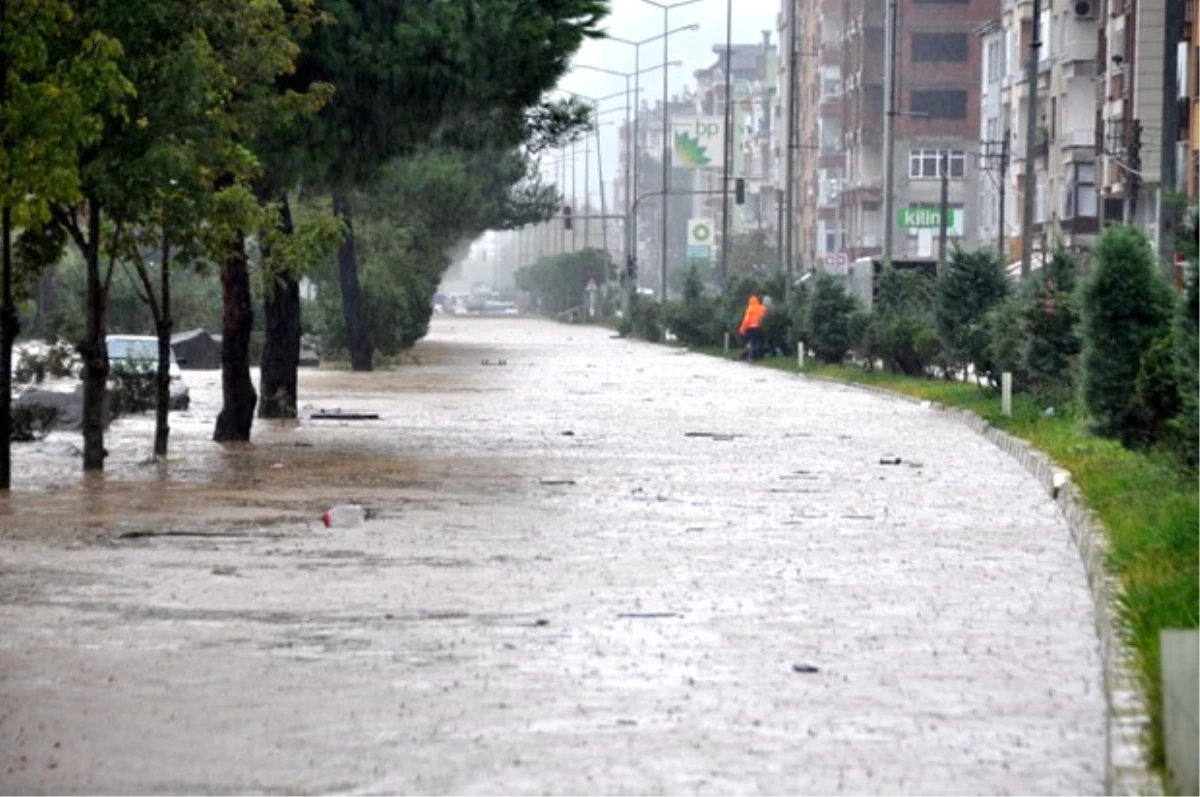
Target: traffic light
566,217
739,190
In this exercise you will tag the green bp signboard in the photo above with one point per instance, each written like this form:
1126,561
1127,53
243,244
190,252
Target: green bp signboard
924,218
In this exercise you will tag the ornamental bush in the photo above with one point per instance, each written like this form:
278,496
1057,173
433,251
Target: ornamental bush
973,284
1126,308
829,311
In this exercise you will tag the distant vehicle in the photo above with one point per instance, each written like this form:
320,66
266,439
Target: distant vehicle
500,308
141,351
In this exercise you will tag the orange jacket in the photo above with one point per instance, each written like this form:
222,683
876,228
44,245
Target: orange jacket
753,317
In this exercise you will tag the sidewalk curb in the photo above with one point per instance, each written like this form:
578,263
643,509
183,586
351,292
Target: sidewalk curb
1127,769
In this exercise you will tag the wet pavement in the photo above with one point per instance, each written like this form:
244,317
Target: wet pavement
600,567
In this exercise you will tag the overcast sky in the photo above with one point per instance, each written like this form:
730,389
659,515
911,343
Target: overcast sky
637,20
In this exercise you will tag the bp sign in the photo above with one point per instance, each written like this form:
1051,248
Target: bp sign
924,218
700,232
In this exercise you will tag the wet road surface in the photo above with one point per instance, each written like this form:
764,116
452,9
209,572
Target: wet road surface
603,567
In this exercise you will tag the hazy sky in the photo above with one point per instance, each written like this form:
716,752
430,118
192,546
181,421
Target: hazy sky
636,20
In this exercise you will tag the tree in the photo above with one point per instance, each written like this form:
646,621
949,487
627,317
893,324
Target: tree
54,86
752,252
902,332
973,283
1050,322
1186,425
829,310
1126,308
403,71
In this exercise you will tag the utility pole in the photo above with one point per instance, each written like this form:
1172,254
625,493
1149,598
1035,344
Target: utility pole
574,195
1167,213
1031,77
889,132
9,328
603,202
790,168
943,213
1003,188
587,191
728,160
666,156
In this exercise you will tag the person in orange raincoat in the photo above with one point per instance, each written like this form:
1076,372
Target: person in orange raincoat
751,327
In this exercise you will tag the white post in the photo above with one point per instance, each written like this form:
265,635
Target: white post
800,354
1006,393
727,343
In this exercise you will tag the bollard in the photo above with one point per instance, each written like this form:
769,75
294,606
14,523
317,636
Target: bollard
727,343
800,354
1006,393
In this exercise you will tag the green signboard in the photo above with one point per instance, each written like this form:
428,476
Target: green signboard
924,218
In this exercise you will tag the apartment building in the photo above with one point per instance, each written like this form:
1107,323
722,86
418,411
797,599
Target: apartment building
936,126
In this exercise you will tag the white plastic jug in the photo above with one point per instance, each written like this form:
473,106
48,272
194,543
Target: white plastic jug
344,516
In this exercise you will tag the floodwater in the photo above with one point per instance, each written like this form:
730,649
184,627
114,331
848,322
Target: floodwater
600,567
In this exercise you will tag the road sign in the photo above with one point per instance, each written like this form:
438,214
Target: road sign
924,218
836,260
700,232
698,141
699,253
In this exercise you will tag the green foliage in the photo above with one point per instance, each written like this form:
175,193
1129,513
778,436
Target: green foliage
648,320
1156,390
134,387
57,361
696,320
1185,427
1008,341
1126,308
902,333
31,422
973,284
1050,323
829,312
559,282
753,252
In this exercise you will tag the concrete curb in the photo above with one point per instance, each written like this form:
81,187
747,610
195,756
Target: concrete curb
1127,766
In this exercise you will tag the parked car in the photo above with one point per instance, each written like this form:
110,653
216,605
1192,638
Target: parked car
141,351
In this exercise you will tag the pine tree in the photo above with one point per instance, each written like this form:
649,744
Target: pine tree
972,285
1126,308
829,313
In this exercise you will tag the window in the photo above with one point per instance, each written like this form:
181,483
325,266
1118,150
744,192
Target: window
992,132
1079,195
930,47
994,63
925,164
939,104
829,87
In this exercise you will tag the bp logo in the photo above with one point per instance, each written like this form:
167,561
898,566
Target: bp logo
701,233
690,151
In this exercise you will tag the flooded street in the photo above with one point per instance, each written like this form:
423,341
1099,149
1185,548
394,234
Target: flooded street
600,567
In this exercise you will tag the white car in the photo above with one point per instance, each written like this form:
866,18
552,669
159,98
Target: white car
142,351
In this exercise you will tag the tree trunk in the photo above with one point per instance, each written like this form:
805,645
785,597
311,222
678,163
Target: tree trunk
239,398
162,428
8,334
94,349
358,342
281,352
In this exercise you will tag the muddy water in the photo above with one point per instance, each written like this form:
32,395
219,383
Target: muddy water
600,567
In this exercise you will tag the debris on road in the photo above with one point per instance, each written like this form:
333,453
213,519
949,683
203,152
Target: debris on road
551,482
336,414
489,362
648,615
806,669
889,460
344,516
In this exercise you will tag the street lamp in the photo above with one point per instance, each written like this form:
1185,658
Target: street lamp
637,65
630,241
666,153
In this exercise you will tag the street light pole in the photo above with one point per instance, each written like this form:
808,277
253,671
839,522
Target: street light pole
1030,144
666,147
889,132
728,142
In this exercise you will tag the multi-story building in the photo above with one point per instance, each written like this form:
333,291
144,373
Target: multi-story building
1189,93
1132,49
997,223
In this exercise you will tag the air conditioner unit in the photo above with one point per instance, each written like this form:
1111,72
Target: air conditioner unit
1086,9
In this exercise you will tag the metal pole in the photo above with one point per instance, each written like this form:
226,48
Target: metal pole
600,180
1003,188
944,212
574,197
1030,144
889,132
790,165
633,151
630,185
1167,214
728,142
587,192
666,155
